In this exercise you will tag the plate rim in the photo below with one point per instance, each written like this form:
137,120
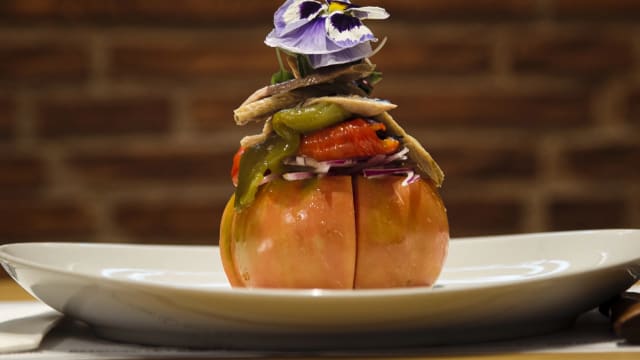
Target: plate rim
315,293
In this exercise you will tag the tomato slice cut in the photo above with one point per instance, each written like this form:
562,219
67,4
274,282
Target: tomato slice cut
350,139
402,233
296,234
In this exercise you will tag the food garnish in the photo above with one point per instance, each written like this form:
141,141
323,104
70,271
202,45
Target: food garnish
333,183
328,81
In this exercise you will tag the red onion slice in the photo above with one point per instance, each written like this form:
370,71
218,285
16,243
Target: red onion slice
295,176
369,168
268,178
411,178
400,155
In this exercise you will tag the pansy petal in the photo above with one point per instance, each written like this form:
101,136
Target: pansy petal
369,12
296,13
308,39
347,31
341,57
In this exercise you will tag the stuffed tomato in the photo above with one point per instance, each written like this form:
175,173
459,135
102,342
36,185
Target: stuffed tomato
337,232
333,193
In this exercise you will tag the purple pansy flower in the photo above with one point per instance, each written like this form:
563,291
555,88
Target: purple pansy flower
329,32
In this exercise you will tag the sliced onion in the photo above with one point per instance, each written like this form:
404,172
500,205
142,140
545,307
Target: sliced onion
341,163
268,178
409,174
370,168
377,172
304,161
375,160
400,155
411,178
295,176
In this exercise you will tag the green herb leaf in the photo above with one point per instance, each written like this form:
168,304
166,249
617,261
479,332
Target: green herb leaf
304,65
367,84
281,76
374,78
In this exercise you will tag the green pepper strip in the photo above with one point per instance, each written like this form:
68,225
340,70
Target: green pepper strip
287,125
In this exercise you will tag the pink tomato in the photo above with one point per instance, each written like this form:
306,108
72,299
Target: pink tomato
336,232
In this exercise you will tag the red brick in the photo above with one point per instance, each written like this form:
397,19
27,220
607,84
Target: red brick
562,53
598,8
226,55
611,161
490,108
44,221
21,173
478,217
458,9
463,164
215,113
165,12
433,56
176,222
212,12
7,118
576,214
82,117
158,165
43,62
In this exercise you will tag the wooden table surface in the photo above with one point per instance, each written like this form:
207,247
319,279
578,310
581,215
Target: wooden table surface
10,291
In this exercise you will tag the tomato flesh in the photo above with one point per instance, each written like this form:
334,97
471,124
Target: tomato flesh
291,237
402,233
337,232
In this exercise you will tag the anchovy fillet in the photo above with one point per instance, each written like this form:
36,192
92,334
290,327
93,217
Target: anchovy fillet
427,166
270,99
358,105
261,109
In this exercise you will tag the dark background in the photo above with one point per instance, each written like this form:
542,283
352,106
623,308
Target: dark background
116,116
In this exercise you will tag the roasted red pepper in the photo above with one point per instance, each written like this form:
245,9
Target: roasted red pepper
350,139
235,168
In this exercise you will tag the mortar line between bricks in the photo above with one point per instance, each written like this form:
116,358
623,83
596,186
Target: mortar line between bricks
122,33
25,116
546,9
108,229
548,157
65,185
21,34
217,191
502,59
222,140
98,65
242,87
180,115
636,52
606,107
535,212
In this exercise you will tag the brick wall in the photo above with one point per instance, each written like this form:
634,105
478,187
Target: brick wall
115,116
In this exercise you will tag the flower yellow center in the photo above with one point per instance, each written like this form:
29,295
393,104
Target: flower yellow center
336,6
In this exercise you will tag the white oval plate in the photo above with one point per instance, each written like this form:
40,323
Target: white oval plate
491,288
